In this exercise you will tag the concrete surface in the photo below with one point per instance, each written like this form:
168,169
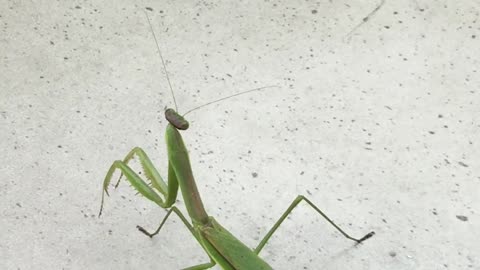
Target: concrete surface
376,122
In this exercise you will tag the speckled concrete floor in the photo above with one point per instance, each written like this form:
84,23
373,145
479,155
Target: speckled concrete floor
376,120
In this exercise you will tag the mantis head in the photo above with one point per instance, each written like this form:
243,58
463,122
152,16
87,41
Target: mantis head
176,119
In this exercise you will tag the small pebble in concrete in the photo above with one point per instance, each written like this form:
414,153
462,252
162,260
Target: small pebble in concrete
462,218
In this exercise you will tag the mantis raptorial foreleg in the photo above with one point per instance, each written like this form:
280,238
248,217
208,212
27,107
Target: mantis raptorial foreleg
169,192
290,209
148,168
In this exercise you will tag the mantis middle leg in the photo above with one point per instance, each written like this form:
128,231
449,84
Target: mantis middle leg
189,227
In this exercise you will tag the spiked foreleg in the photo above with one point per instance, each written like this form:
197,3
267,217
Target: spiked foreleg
169,191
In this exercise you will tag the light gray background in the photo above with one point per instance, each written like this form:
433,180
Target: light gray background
377,123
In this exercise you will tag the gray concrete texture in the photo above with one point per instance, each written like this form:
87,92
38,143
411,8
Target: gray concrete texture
376,120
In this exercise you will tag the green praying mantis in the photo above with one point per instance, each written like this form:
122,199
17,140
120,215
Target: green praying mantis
223,248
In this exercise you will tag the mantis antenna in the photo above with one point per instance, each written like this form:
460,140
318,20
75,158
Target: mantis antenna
170,84
163,61
231,96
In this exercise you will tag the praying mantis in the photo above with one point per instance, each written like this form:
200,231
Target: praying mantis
222,247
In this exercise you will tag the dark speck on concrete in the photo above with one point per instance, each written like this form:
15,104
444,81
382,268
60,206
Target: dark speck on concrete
314,11
462,218
254,174
149,8
78,7
392,253
462,164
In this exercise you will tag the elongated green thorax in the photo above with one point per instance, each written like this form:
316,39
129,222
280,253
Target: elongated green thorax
227,251
179,163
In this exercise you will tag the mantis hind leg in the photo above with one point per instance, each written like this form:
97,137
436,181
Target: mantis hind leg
189,227
146,189
290,209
